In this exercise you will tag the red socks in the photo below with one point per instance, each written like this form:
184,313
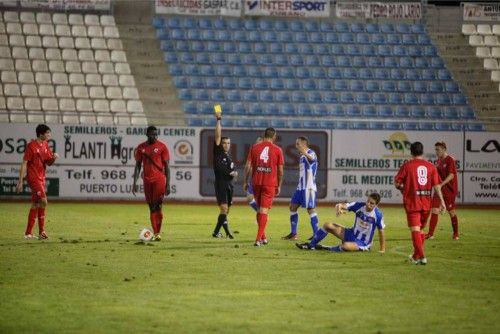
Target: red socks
31,220
418,246
156,220
454,225
262,222
433,223
41,220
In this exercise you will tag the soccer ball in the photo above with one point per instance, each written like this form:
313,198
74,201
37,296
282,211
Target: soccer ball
146,234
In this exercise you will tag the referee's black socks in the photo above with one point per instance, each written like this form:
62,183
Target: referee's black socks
220,222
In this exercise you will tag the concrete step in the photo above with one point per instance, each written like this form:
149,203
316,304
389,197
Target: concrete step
459,50
462,61
449,39
137,32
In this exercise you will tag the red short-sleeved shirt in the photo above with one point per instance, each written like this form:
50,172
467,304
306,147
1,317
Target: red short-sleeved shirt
265,158
418,177
154,166
445,167
37,154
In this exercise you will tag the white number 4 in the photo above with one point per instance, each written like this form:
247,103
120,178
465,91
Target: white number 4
264,155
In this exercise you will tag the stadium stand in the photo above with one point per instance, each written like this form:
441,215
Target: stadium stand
69,68
309,69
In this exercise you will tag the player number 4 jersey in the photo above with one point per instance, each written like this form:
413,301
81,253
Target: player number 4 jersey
265,157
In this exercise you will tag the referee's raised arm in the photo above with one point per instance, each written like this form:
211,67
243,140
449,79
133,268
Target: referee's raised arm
218,126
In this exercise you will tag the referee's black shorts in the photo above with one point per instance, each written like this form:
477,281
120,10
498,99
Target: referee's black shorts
224,192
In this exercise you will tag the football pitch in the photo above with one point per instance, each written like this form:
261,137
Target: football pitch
93,275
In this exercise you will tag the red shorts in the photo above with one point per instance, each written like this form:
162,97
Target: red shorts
449,200
37,191
264,196
417,218
154,191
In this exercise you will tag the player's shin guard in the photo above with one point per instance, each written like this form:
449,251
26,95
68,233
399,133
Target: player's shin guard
41,220
454,224
253,204
262,221
294,221
433,223
31,220
418,247
314,222
159,220
318,236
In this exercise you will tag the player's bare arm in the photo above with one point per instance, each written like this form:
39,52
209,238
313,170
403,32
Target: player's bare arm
303,150
218,126
51,161
340,208
448,179
246,175
280,179
167,177
381,239
22,172
137,171
442,206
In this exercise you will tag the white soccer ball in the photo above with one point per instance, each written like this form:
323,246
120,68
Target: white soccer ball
146,234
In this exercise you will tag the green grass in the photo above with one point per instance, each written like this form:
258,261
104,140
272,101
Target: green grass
91,276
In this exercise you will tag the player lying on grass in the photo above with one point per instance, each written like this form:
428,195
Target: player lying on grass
360,236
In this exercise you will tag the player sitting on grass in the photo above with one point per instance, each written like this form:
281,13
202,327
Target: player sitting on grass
360,236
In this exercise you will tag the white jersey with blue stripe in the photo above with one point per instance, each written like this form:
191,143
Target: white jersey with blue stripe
307,171
366,222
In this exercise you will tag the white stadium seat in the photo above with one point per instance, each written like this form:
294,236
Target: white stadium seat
484,29
69,54
32,103
84,105
25,77
114,93
6,64
75,19
19,116
106,68
136,119
50,104
36,53
102,55
15,103
9,76
79,31
82,43
43,18
97,92
56,66
70,118
80,92
29,90
111,32
43,78
34,116
92,20
17,40
50,42
491,64
130,93
122,68
491,40
4,40
59,18
104,118
495,76
110,80
469,29
89,67
107,20
59,78
11,89
10,16
5,52
47,30
66,42
118,56
94,31
30,29
122,119
101,105
66,104
40,66
114,44
46,91
496,29
27,17
85,55
33,41
52,116
135,106
3,106
483,52
63,30
126,80
63,91
22,65
87,118
99,44
76,79
92,79
476,40
14,28
118,106
53,54
73,67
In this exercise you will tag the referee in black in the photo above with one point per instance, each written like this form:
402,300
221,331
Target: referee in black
224,173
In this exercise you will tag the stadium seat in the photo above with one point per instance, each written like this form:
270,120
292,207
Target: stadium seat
469,29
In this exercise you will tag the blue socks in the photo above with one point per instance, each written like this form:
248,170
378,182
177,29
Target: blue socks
294,221
253,204
318,236
336,249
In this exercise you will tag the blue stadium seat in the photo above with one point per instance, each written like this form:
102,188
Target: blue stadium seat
229,47
281,25
365,73
409,39
350,73
271,109
458,99
250,96
326,26
359,62
316,37
296,25
341,125
200,58
265,59
158,22
372,86
201,95
218,58
223,35
301,37
276,48
239,71
172,22
372,28
403,28
189,23
387,28
282,96
411,126
393,39
304,109
249,59
343,61
332,38
475,127
380,73
404,86
254,71
436,87
414,51
330,97
411,99
392,126
388,86
318,73
295,124
451,87
457,127
197,46
384,50
298,97
240,36
353,110
195,122
196,82
353,50
426,126
219,24
451,112
261,84
245,83
320,110
281,59
338,49
442,99
292,84
182,46
369,50
321,49
400,50
395,98
277,84
240,109
406,62
357,27
346,97
347,38
286,72
342,27
251,25
419,86
417,112
243,122
356,85
254,36
430,51
291,48
336,110
175,70
328,61
334,73
170,58
214,46
312,60
442,126
428,74
444,74
375,62
235,24
413,75
234,59
208,35
376,125
266,96
167,45
218,95
359,125
434,112
402,111
369,111
391,62
194,35
312,124
190,107
378,38
363,39
233,95
427,99
278,123
417,28
379,98
314,97
467,112
341,85
265,25
181,82
424,40
421,62
287,109
296,60
270,36
309,84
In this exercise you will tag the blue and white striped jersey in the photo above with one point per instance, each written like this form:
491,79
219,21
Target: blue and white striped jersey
366,222
307,172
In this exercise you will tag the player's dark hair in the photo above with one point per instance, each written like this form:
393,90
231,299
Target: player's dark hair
375,197
41,129
269,133
417,149
441,144
304,139
151,128
223,138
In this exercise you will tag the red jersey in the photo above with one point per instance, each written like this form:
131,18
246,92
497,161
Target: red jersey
38,155
418,177
265,158
153,157
445,167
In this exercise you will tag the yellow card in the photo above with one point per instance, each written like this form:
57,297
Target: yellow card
218,109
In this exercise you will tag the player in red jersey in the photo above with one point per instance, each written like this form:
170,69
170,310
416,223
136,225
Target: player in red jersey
416,178
37,157
154,155
447,170
265,163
